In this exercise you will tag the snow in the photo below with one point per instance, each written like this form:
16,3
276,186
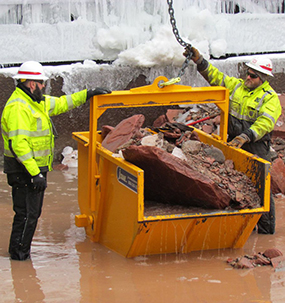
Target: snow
139,36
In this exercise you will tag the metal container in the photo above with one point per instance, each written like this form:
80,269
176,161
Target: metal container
111,190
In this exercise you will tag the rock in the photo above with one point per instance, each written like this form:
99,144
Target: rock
123,132
105,130
272,253
278,176
168,179
239,196
244,263
271,256
172,113
152,140
200,176
216,120
278,262
177,152
260,259
207,128
273,155
160,121
191,147
229,165
215,153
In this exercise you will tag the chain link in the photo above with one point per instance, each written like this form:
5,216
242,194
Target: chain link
178,38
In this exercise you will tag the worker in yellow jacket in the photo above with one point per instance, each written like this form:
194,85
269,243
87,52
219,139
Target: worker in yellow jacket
29,146
254,108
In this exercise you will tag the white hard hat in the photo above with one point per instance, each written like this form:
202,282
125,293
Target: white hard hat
31,70
263,65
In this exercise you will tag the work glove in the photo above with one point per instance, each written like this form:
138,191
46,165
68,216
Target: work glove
39,182
97,91
239,141
196,56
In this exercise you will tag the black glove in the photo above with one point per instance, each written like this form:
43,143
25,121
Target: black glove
97,91
39,182
196,56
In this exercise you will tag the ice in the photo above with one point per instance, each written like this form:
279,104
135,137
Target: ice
136,41
70,157
77,30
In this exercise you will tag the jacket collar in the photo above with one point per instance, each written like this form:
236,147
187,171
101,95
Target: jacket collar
26,90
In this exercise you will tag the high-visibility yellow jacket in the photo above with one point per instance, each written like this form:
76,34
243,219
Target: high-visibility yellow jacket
253,112
27,129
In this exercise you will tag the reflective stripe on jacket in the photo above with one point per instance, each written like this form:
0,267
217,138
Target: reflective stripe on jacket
27,129
258,109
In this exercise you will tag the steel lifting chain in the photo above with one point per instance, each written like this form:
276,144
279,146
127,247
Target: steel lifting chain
178,38
181,42
173,23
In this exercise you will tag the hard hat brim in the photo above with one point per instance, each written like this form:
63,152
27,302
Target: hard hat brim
259,69
30,77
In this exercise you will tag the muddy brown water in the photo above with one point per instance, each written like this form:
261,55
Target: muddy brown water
67,267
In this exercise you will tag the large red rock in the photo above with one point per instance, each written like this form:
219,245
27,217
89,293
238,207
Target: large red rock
123,132
278,176
168,179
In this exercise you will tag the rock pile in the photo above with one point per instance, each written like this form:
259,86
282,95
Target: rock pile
206,117
271,256
178,168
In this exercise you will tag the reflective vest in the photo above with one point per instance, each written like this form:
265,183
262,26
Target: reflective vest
257,110
27,129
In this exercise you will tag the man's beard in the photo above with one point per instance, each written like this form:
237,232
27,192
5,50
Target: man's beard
250,85
38,94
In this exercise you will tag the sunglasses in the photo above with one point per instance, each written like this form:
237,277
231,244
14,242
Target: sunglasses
40,81
252,75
